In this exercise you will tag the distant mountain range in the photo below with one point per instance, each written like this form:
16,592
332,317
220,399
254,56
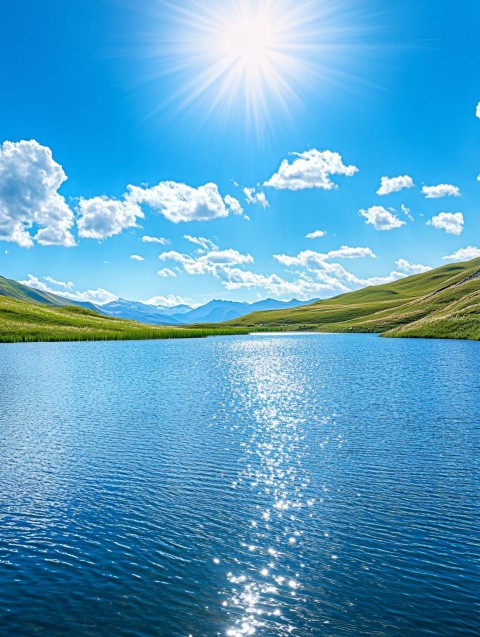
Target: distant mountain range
142,312
214,311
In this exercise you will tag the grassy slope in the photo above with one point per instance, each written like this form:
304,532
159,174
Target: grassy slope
26,321
13,289
441,303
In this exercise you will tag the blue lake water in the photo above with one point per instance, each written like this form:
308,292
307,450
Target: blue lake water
294,485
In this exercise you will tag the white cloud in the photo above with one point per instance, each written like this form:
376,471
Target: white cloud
98,296
334,276
179,202
161,240
464,254
322,275
346,252
411,268
477,112
224,257
101,217
136,257
305,286
166,272
394,184
381,219
204,243
31,209
451,222
308,258
442,190
233,205
407,212
66,285
311,169
170,300
255,198
207,263
317,234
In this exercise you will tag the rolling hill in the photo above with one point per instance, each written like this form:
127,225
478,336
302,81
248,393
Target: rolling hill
16,290
441,303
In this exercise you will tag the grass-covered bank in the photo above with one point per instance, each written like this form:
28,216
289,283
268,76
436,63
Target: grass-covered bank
441,303
22,322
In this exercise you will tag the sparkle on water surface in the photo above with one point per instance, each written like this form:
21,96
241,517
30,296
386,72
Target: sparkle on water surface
307,485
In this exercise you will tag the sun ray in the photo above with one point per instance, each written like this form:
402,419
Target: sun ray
248,58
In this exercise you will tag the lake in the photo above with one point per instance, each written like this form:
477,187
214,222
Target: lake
300,485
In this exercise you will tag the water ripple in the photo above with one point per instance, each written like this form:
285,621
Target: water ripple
315,485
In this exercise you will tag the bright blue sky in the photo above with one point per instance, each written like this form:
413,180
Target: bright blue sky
116,90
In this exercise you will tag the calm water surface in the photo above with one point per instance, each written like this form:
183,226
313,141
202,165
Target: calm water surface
307,485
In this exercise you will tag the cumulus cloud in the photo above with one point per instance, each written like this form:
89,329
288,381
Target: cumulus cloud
411,268
204,243
207,263
165,273
178,202
223,265
161,240
381,219
451,222
136,257
255,198
101,217
464,254
306,286
477,112
31,209
303,288
320,276
442,190
394,184
311,169
333,275
317,234
98,296
346,252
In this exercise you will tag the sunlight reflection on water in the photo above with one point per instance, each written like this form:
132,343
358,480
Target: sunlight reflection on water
273,391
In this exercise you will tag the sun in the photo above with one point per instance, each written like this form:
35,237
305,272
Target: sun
245,58
250,43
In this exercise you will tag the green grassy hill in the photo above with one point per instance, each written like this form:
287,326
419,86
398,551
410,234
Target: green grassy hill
442,303
22,321
16,290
